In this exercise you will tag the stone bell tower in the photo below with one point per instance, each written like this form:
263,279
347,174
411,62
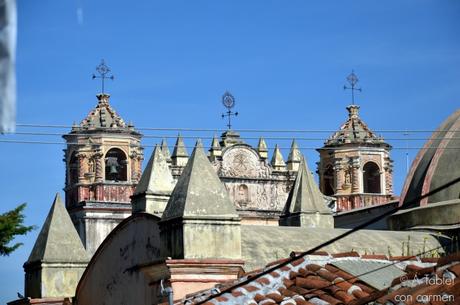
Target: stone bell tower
103,166
355,165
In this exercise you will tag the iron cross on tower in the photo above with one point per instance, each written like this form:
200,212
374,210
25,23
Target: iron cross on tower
353,80
103,70
229,102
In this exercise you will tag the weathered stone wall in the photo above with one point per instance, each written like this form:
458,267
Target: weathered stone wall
219,239
53,280
114,276
93,225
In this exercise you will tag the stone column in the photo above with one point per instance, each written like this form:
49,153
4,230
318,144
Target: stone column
133,166
81,166
388,176
99,164
355,175
338,167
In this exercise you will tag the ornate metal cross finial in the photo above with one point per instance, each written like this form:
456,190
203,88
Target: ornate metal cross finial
229,102
353,80
103,70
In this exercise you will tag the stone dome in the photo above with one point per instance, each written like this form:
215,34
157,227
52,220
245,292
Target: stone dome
437,163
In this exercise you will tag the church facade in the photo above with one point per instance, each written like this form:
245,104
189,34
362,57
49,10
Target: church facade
104,164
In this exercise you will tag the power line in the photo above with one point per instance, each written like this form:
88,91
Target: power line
235,130
191,147
410,203
210,138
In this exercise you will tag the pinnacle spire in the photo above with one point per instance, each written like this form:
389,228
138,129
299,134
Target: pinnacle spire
156,178
262,148
305,196
179,156
165,150
199,191
216,149
277,159
215,144
155,186
306,199
295,157
58,240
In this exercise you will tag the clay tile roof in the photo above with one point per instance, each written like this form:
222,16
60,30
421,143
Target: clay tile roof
346,254
402,258
308,281
374,256
322,253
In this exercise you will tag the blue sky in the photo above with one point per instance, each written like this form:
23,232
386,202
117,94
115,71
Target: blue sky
284,61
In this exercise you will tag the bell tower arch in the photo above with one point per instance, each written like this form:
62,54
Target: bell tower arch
103,161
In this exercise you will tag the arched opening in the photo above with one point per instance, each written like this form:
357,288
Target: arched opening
371,178
243,195
116,165
328,181
73,169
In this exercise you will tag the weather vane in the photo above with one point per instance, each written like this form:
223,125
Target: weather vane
229,102
353,80
103,70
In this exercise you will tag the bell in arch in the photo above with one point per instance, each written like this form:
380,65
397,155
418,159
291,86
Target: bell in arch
112,166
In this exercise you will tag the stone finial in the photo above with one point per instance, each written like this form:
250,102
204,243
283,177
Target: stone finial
277,159
165,150
58,257
294,158
216,149
200,209
179,156
353,111
155,186
262,149
306,205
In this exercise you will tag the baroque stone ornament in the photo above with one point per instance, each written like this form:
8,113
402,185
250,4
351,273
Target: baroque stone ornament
241,161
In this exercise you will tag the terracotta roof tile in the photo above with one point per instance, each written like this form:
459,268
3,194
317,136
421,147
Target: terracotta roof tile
403,258
346,254
309,281
374,256
455,257
455,269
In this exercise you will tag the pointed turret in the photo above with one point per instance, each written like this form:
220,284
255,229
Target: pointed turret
262,149
165,151
305,205
58,257
294,158
180,155
216,149
200,209
155,187
277,160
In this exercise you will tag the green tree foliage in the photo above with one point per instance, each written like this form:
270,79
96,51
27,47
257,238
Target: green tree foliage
11,224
